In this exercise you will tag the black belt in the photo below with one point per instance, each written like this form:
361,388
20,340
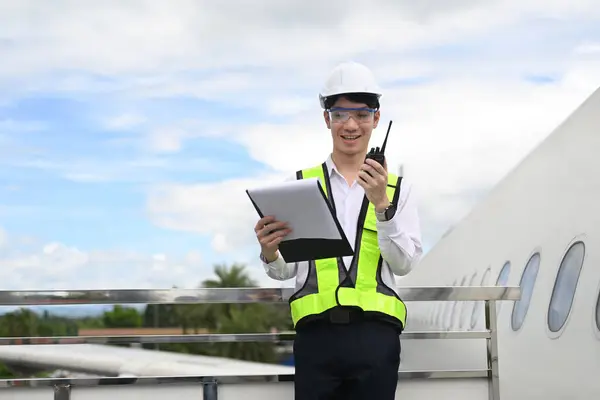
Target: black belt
344,315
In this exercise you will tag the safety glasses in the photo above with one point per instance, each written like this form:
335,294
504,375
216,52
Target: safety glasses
343,114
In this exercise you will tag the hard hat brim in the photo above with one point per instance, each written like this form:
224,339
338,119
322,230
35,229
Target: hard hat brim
323,98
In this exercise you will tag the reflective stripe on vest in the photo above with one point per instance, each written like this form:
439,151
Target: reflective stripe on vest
366,289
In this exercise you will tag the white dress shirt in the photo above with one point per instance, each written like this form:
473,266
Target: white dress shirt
399,238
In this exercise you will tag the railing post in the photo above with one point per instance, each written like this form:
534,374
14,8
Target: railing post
492,349
211,389
62,392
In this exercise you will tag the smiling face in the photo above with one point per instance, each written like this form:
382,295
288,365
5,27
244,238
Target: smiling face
351,124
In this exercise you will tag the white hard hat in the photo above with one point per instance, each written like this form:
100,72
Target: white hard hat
349,77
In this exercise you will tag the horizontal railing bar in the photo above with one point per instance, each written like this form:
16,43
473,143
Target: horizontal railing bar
156,380
446,335
150,339
212,338
233,295
444,374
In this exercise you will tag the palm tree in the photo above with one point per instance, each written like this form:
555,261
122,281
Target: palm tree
235,276
233,318
231,277
245,321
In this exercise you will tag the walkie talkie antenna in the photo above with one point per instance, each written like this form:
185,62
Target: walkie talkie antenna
376,153
386,137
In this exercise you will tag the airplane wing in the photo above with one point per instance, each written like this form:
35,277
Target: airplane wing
128,361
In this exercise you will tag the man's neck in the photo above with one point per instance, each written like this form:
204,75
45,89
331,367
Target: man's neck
347,165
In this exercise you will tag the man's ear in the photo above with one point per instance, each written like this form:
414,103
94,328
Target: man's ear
376,118
327,120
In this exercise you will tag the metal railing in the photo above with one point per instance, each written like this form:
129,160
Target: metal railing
62,386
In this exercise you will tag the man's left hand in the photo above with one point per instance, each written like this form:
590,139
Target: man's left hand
373,177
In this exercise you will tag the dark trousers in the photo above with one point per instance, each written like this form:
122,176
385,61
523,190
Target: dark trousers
354,361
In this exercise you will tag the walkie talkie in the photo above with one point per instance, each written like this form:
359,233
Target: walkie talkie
377,154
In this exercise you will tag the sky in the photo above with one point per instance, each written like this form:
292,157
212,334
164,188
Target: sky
129,130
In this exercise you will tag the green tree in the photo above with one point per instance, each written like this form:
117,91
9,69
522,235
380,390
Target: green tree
90,322
6,373
160,316
231,277
22,322
26,323
234,318
122,317
213,315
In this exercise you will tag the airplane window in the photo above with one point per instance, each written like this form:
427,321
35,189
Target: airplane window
457,304
479,304
467,305
598,312
565,286
502,281
448,310
503,275
527,284
439,315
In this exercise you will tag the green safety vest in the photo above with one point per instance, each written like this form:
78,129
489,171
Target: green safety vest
322,289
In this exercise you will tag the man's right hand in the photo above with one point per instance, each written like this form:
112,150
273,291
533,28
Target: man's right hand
270,233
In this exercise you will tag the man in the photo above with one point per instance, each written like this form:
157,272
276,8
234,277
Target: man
347,313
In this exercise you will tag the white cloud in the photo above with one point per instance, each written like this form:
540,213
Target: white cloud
455,138
56,265
222,211
219,243
587,48
15,126
3,238
138,169
124,121
166,140
456,134
150,41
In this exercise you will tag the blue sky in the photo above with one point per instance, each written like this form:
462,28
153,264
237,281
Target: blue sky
78,182
127,137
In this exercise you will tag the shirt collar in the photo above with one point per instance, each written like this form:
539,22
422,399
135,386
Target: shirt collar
331,168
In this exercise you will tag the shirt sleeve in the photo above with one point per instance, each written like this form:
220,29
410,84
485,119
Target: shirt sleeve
279,269
400,237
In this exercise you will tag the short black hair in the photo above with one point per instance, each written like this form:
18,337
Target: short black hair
369,99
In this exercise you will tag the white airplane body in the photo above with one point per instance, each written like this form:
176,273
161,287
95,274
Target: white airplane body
537,229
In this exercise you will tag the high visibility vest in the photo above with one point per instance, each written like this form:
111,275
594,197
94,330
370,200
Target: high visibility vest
325,286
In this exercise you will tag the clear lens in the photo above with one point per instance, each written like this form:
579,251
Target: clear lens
359,115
